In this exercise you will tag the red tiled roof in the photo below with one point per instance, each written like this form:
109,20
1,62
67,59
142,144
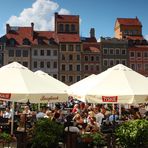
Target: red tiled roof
67,18
62,37
27,32
93,47
135,37
45,35
129,21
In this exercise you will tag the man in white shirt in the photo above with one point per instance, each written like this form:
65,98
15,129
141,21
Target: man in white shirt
7,113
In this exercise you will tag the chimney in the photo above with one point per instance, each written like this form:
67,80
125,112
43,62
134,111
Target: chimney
32,26
55,22
8,28
92,32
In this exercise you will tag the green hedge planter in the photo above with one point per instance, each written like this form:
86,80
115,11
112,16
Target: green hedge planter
133,134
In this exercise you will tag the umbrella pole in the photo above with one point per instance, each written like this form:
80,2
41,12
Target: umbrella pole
12,120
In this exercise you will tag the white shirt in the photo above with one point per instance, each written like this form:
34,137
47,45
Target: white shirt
72,129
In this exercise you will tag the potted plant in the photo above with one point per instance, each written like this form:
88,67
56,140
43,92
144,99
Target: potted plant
6,138
95,139
47,133
133,134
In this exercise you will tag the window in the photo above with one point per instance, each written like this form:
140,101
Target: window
133,66
40,41
145,54
48,64
63,67
78,68
35,64
25,64
26,41
61,28
70,67
70,78
105,51
48,52
78,48
139,54
139,66
70,48
86,67
111,51
11,53
42,52
78,57
117,61
117,51
63,78
55,52
73,28
91,67
78,78
25,53
97,58
111,62
63,57
55,65
63,47
132,54
123,52
105,62
97,67
35,52
92,58
67,27
146,67
70,57
12,42
123,62
18,53
41,64
86,58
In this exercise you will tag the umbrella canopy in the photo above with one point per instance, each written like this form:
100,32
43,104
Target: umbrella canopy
118,84
53,83
18,83
75,92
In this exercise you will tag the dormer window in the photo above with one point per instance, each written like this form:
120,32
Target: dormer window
12,42
26,41
40,41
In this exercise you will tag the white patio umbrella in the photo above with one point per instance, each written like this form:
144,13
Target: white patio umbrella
18,83
80,93
55,84
118,84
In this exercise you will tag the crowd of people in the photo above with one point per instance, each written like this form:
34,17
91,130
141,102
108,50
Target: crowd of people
78,116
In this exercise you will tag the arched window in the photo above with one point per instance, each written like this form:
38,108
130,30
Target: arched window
67,27
12,42
61,28
73,28
26,41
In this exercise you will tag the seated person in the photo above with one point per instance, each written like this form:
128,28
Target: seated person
7,113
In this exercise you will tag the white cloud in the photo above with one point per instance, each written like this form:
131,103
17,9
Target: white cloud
146,37
41,13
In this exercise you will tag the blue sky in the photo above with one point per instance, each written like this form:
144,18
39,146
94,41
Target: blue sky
99,14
